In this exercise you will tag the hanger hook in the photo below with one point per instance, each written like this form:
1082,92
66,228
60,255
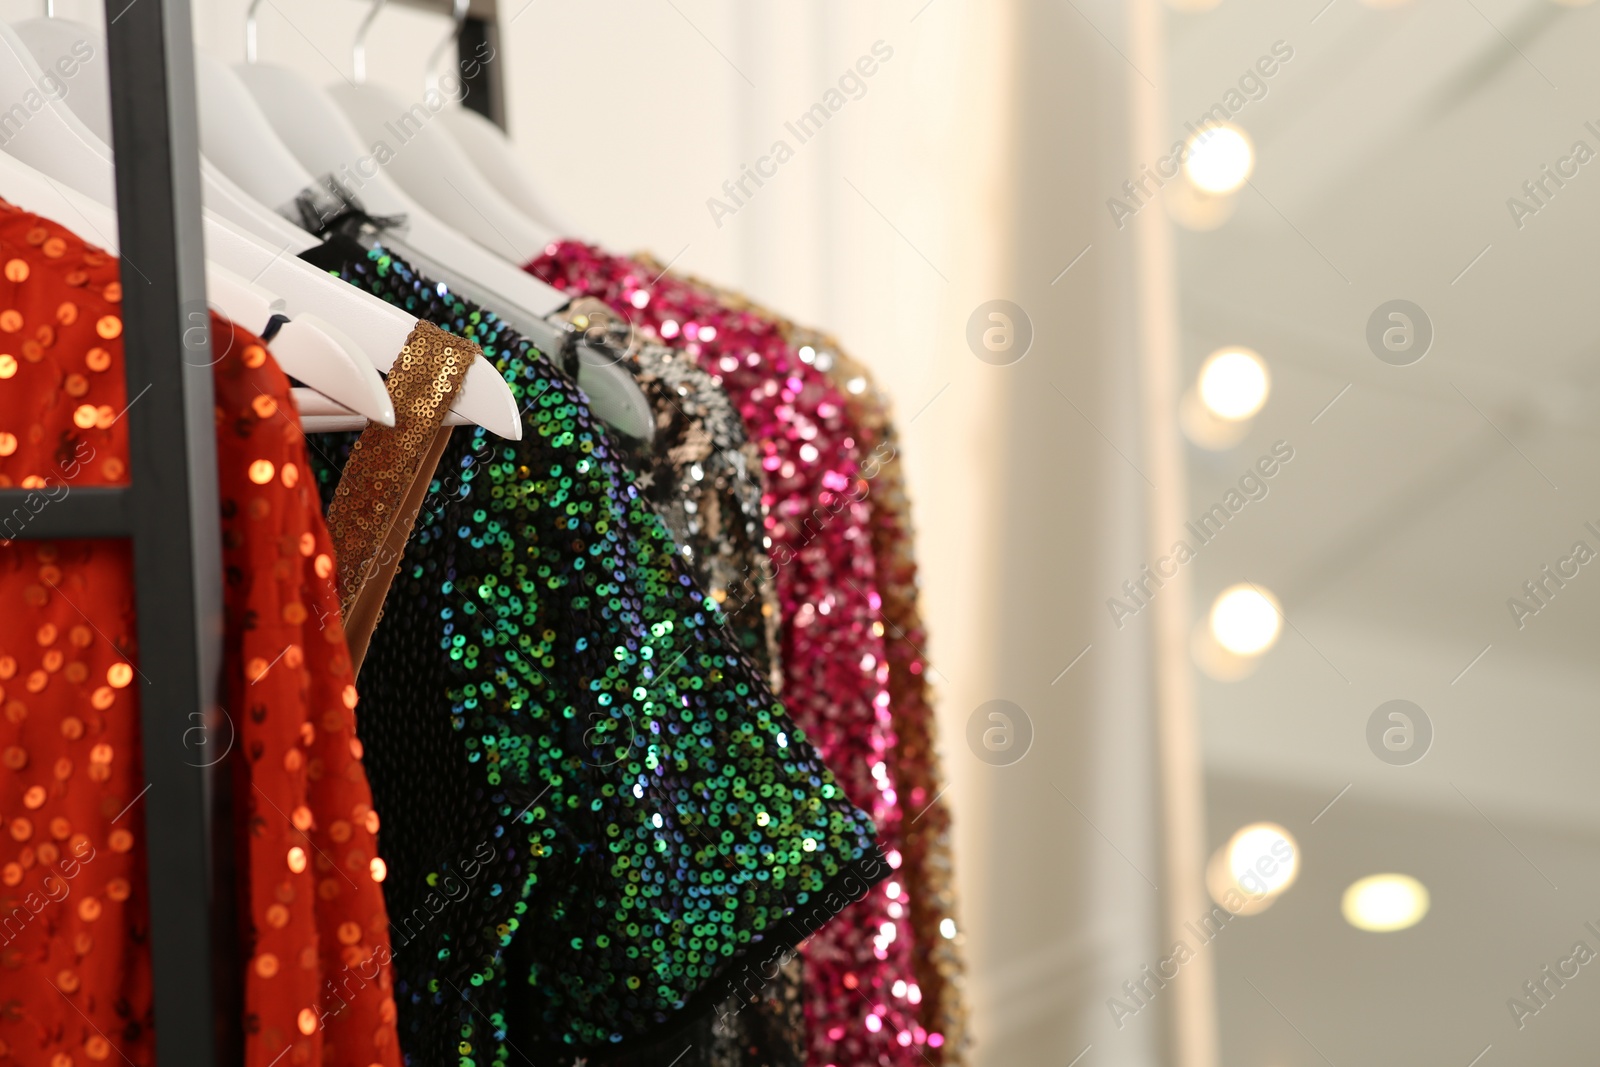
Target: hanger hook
49,9
458,16
358,51
249,30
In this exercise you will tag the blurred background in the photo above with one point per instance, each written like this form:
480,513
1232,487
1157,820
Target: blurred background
1304,287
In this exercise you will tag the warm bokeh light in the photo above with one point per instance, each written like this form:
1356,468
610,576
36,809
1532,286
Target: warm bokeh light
1227,893
1253,869
1264,859
1385,902
1220,159
1245,620
1214,661
1234,383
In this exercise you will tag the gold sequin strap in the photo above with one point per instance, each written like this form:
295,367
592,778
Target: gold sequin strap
386,478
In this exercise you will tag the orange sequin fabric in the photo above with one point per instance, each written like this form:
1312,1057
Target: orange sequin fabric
75,985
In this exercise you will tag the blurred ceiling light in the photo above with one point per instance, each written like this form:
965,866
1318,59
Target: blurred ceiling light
1385,902
1264,858
1227,893
1234,383
1245,620
1204,429
1216,662
1253,869
1220,159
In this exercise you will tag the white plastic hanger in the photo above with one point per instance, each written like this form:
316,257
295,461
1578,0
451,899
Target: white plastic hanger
320,357
306,119
47,141
484,399
470,270
488,150
81,123
310,350
428,167
492,156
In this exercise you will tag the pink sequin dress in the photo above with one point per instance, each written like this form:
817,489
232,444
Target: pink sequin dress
861,991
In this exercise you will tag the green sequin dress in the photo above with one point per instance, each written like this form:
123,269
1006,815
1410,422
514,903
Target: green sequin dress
598,819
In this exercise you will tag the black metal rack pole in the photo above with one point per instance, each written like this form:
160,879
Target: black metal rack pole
485,80
174,520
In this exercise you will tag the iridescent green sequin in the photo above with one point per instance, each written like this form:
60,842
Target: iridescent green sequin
595,811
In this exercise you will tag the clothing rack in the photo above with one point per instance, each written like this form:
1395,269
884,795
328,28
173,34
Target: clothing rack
169,514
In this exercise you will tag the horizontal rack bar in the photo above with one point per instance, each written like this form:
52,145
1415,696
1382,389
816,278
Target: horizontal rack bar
34,514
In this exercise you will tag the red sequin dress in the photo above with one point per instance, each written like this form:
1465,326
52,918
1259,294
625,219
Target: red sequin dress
75,986
858,971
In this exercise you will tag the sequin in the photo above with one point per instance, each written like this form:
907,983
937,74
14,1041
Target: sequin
108,326
8,366
579,662
821,551
16,270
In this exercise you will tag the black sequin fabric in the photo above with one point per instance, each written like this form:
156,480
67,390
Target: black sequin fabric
704,478
598,819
